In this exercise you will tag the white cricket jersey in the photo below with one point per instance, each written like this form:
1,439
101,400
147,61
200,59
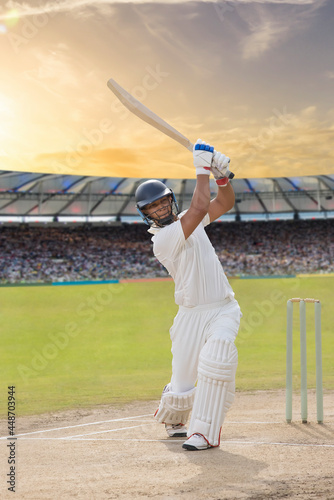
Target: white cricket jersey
192,263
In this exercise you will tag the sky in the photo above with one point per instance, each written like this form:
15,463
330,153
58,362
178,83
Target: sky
253,78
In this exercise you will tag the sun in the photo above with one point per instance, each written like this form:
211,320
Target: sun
6,104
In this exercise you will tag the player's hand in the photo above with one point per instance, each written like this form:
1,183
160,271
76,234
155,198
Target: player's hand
203,154
219,168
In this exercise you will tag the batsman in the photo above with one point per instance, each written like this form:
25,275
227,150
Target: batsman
203,333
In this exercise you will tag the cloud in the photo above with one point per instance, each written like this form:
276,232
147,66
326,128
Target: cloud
270,22
262,38
287,144
55,69
57,81
14,9
264,23
329,75
280,2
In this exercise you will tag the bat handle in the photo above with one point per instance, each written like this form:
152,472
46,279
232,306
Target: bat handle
190,147
228,174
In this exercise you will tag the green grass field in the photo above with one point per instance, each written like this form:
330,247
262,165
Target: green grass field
81,346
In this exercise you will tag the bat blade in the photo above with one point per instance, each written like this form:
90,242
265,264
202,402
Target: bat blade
138,109
145,114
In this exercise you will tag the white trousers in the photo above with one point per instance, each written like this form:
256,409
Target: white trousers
192,328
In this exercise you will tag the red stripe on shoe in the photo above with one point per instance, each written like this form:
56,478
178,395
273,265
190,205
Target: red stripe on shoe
212,445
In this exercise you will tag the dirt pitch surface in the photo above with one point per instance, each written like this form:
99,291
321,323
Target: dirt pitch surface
122,453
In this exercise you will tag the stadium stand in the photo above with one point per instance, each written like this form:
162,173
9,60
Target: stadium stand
64,228
88,252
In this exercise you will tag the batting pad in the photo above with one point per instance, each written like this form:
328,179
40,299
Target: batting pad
175,407
218,362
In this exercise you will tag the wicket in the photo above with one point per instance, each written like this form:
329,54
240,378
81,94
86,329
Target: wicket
303,362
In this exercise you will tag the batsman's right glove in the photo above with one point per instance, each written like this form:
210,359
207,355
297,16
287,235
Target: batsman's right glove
219,166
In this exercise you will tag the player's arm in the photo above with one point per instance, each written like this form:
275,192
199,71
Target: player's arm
200,202
223,202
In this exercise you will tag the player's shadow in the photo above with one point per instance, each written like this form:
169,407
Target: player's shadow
218,471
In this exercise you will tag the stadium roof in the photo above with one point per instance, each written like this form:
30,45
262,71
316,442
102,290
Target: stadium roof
31,197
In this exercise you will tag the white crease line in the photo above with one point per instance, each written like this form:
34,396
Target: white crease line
223,443
129,419
167,440
277,444
275,423
253,422
78,425
104,432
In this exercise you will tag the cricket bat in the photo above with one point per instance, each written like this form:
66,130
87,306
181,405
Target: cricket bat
144,113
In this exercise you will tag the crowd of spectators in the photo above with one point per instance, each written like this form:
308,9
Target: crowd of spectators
87,252
275,247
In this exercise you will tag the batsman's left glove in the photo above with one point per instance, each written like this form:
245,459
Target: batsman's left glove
202,154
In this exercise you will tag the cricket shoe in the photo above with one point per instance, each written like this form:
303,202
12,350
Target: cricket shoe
196,442
176,430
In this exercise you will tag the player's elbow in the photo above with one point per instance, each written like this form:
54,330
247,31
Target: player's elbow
230,204
226,206
202,207
229,200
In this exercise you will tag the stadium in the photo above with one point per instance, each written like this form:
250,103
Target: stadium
192,359
88,229
59,230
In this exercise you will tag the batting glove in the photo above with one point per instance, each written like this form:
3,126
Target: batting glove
203,154
219,167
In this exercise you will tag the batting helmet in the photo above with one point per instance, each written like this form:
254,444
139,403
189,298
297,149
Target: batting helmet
150,191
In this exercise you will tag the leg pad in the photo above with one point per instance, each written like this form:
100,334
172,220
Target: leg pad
175,407
215,388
